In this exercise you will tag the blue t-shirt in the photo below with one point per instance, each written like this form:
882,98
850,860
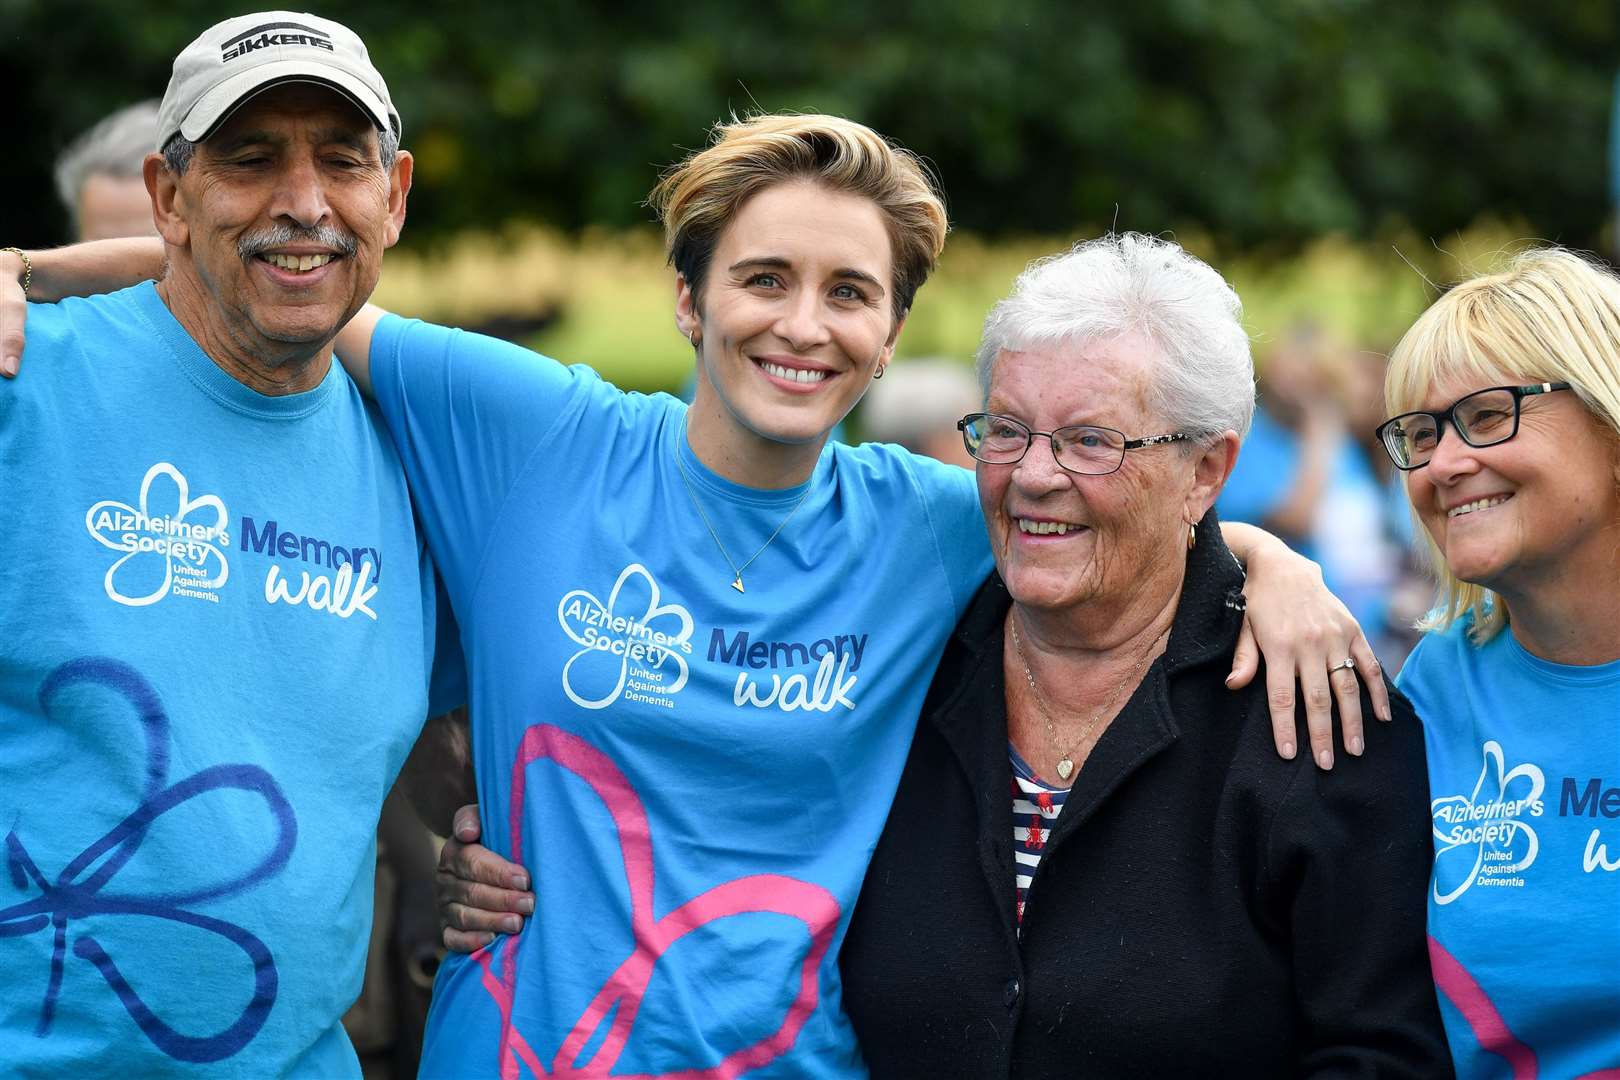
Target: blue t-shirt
216,620
1524,912
695,776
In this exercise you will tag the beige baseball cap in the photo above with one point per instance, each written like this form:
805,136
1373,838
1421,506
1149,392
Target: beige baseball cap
233,60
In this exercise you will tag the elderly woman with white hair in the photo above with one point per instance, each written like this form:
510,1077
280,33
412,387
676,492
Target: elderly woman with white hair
1507,392
1095,864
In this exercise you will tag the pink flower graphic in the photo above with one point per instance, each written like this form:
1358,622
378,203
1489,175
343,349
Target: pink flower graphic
621,995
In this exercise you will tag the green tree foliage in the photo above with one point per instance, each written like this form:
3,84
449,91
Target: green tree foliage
1261,122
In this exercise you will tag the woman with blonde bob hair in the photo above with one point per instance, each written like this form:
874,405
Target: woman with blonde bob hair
1507,392
698,638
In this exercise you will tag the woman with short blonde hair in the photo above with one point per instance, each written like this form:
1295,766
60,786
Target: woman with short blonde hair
1551,316
697,198
1507,395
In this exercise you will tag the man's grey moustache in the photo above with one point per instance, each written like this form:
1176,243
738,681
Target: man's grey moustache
322,235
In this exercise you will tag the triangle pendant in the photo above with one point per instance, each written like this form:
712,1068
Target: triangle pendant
738,583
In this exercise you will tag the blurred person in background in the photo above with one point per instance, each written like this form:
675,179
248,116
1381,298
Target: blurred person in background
98,176
1507,429
1289,453
917,405
1302,476
1394,563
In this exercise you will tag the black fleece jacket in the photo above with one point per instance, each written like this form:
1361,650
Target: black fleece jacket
1202,907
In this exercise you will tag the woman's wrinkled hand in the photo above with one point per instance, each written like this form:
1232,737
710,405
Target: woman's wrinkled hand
479,893
1305,634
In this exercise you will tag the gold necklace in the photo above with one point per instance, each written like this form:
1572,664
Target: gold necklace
736,571
1065,762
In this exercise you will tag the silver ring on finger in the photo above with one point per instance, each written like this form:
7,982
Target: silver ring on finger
1348,663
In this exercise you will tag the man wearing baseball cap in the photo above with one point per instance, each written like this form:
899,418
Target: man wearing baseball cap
217,622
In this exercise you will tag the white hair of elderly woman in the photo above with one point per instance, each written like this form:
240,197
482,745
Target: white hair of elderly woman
1130,283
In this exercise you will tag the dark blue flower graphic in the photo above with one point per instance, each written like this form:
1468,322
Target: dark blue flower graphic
82,888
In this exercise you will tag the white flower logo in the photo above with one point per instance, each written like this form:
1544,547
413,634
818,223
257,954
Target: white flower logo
1465,823
149,535
609,640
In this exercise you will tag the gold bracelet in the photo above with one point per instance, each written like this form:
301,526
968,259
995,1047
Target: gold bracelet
28,267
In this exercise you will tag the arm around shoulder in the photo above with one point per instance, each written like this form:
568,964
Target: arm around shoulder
354,346
467,415
56,273
95,267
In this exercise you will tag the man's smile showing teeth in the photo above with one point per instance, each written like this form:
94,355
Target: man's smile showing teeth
1477,504
799,375
1046,528
299,263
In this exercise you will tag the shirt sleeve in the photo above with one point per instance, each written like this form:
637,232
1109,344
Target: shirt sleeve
1417,677
950,499
467,413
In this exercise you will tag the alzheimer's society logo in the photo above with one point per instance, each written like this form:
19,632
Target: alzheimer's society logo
631,645
1488,827
168,543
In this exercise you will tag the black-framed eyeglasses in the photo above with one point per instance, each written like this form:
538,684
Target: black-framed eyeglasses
1483,418
1080,448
